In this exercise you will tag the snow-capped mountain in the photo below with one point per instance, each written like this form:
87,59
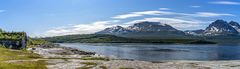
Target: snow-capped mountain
220,27
143,29
159,30
150,26
195,32
235,25
114,30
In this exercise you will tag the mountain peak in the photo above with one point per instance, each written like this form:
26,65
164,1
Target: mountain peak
144,29
220,22
235,25
117,27
220,27
113,30
149,23
151,26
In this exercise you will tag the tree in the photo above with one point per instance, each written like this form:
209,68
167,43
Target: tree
1,30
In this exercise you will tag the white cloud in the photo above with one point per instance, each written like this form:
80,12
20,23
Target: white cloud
181,24
126,16
2,11
211,14
165,9
225,2
138,14
195,6
161,13
80,29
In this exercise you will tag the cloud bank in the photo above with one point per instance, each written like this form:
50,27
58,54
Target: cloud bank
80,29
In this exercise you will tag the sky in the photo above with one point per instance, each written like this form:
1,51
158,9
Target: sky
44,18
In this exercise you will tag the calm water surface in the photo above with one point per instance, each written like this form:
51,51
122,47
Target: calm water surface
155,52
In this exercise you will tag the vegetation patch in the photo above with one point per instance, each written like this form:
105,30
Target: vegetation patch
103,38
7,54
12,35
94,58
23,65
103,67
88,65
35,42
126,68
10,55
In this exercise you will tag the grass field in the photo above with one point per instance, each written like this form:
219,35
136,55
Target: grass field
20,59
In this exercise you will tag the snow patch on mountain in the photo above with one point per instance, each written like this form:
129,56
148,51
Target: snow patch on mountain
235,25
139,27
220,27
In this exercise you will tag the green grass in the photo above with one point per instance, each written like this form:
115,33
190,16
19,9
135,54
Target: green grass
7,55
126,68
88,65
94,58
23,65
103,67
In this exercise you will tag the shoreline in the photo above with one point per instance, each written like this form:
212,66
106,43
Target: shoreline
59,57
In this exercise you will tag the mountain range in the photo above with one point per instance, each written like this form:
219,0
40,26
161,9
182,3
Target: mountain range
219,31
148,29
144,30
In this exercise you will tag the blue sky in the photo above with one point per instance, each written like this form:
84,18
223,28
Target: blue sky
62,17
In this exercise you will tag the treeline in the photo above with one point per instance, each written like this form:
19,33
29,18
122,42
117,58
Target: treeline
100,38
12,35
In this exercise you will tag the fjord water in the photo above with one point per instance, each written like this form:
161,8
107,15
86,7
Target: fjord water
156,52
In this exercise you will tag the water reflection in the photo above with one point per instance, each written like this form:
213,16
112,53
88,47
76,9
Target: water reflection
154,52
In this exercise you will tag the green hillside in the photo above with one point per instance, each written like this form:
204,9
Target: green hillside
100,38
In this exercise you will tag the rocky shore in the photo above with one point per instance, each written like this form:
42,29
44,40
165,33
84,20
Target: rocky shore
59,57
64,50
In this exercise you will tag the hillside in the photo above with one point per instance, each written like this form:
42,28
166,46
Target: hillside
88,38
101,38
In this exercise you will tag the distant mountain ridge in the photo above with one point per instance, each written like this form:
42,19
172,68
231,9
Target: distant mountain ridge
219,31
144,30
151,30
150,26
218,28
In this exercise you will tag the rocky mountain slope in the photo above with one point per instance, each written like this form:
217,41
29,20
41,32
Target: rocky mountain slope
144,30
220,27
235,25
